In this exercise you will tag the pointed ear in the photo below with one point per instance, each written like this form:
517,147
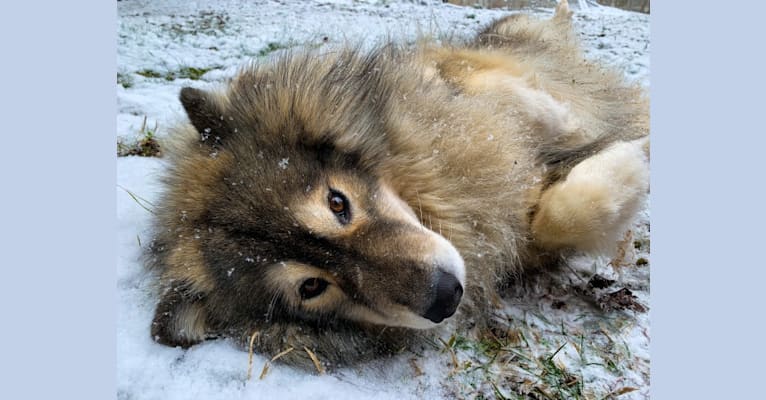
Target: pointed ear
204,114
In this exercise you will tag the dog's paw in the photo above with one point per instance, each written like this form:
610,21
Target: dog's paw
593,207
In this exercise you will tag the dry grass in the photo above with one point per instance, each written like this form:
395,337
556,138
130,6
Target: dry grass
268,363
250,355
142,202
146,145
317,364
553,342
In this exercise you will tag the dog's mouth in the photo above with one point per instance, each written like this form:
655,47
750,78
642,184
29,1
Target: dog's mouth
398,315
404,317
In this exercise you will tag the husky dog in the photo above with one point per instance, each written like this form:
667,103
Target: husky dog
349,202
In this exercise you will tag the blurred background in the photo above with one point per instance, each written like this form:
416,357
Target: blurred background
632,5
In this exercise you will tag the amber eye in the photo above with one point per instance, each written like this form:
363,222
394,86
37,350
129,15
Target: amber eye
336,204
339,206
312,287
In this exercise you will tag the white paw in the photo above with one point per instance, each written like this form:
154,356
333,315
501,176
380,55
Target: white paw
613,185
594,206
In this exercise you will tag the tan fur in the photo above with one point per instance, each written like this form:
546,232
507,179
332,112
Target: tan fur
190,322
313,213
462,66
185,263
199,171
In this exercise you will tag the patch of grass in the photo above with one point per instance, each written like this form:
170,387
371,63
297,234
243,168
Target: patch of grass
145,146
501,363
192,73
270,48
461,343
523,354
642,244
612,366
125,80
642,261
149,73
565,384
471,16
189,73
205,23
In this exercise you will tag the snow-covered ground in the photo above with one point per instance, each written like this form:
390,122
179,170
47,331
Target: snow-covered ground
164,46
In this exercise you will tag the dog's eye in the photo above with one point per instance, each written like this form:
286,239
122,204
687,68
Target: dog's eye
337,202
339,206
312,287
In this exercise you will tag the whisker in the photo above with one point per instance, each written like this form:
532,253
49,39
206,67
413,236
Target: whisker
420,207
272,305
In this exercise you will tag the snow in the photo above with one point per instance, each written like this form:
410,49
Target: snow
221,35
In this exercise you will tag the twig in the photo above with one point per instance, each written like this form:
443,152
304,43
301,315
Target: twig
452,352
267,364
250,355
415,367
619,392
314,358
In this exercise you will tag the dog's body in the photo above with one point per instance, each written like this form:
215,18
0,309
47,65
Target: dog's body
339,201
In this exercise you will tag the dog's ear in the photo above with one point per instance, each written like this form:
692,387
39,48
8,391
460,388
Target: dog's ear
205,114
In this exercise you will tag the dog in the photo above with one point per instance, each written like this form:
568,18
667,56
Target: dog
349,202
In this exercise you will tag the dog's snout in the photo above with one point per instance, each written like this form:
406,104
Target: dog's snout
448,292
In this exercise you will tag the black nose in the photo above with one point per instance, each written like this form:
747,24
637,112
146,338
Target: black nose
448,293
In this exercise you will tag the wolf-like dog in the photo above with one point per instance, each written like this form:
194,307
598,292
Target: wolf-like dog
349,201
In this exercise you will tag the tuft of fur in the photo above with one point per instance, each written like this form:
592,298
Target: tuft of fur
512,147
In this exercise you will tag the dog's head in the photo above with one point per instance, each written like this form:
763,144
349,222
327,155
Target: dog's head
296,225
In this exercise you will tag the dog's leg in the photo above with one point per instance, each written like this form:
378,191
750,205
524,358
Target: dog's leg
562,11
518,31
592,208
